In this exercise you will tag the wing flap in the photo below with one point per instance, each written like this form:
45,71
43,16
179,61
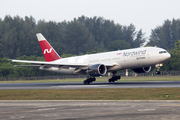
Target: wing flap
27,66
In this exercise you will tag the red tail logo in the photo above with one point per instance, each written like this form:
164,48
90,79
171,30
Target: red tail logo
49,53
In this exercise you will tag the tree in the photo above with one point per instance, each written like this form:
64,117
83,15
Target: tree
118,45
139,40
174,62
166,35
129,33
82,35
79,39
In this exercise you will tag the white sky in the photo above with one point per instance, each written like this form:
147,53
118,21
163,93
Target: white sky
144,14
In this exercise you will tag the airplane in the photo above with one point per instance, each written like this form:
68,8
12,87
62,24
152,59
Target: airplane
139,60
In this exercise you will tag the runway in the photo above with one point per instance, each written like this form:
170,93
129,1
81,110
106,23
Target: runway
90,110
78,85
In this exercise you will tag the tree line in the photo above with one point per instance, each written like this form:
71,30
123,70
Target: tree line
80,36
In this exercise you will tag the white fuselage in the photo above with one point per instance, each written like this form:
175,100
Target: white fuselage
118,60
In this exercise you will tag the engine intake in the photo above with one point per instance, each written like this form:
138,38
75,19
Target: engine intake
142,70
97,70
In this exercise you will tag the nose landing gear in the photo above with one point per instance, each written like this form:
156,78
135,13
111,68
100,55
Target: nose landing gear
158,68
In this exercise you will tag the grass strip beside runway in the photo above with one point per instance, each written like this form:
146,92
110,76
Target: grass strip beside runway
101,79
93,94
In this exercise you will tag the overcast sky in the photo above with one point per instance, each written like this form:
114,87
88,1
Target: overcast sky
144,14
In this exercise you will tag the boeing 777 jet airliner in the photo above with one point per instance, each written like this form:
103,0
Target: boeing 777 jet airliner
139,60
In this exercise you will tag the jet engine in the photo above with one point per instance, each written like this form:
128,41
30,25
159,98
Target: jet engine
142,70
97,70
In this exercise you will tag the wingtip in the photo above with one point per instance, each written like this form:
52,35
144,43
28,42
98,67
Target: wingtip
9,59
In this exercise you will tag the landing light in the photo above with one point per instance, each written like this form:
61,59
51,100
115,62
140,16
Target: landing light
160,64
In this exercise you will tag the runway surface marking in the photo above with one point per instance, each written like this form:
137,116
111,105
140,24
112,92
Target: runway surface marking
141,110
47,109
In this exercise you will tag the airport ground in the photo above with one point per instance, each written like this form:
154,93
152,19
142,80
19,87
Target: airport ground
90,110
128,88
93,103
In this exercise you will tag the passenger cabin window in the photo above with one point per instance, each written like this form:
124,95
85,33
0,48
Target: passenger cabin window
162,52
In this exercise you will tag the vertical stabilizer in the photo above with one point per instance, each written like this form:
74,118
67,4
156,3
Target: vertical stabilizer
48,51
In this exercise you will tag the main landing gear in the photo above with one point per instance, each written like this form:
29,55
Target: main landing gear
114,77
89,80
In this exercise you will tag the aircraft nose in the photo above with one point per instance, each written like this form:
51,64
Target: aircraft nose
164,57
168,56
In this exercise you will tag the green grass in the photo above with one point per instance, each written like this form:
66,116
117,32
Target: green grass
93,94
101,79
152,78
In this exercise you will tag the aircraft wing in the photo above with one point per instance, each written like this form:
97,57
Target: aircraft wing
53,64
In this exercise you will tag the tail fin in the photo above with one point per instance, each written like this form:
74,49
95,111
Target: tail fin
49,53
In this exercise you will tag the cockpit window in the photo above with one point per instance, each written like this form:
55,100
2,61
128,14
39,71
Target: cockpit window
162,52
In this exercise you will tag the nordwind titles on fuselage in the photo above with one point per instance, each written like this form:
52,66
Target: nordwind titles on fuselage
135,53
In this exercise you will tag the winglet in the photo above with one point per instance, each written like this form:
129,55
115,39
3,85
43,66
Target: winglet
48,51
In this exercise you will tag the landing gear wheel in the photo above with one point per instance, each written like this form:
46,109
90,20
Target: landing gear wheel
85,82
89,80
110,80
114,77
158,72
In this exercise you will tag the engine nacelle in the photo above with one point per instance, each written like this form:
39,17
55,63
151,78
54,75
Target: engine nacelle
142,70
97,70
